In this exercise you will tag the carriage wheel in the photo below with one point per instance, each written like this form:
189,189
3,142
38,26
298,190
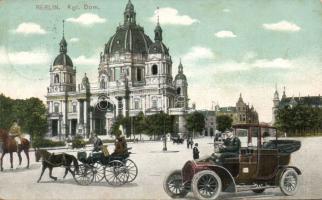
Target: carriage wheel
85,175
115,173
132,170
98,172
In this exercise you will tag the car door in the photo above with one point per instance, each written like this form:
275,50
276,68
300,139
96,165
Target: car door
267,155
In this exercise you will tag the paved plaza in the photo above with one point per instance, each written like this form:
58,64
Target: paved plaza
153,166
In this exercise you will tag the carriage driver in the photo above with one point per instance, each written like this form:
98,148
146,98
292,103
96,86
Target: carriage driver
15,132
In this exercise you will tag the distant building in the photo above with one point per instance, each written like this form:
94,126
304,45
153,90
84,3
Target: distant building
242,113
312,101
210,122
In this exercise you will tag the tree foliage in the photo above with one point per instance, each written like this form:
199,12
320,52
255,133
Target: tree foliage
299,119
196,122
224,122
31,114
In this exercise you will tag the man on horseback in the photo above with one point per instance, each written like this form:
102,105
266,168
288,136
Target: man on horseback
15,132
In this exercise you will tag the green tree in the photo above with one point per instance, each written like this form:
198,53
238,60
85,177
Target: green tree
31,114
224,122
159,124
195,122
139,124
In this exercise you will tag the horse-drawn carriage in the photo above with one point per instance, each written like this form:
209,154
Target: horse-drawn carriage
116,169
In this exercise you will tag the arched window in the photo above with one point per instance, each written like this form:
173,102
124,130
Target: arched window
139,74
56,78
103,84
154,69
178,90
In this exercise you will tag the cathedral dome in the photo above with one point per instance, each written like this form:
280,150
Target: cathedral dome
158,47
180,75
128,38
63,59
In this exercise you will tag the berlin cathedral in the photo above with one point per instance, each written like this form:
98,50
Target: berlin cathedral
134,75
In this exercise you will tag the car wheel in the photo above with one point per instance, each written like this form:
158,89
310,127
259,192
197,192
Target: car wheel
206,185
289,182
173,186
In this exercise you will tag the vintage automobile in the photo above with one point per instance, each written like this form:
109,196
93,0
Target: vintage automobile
262,162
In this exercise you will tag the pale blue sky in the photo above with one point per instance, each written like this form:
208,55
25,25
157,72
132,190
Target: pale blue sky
227,47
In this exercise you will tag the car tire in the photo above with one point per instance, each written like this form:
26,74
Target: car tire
176,190
200,190
289,182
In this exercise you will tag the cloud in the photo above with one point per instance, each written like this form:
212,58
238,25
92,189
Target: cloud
29,28
198,53
225,34
24,57
284,26
87,19
172,17
275,63
74,40
83,60
226,10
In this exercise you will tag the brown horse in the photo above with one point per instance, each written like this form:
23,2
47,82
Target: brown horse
9,146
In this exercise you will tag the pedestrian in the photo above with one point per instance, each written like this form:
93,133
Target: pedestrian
191,143
195,152
188,141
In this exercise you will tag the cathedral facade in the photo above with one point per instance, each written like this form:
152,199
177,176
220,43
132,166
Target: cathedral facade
134,75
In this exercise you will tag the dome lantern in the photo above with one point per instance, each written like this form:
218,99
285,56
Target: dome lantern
129,14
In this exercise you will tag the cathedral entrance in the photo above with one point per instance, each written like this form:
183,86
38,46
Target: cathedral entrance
54,127
73,127
100,112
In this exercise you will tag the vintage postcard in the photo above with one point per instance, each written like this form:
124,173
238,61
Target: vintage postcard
160,99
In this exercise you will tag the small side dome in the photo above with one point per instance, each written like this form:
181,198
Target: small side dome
158,47
180,75
63,59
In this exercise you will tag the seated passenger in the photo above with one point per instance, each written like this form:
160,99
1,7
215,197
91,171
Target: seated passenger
120,146
231,147
97,143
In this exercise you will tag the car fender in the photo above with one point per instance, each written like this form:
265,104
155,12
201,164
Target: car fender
228,182
282,169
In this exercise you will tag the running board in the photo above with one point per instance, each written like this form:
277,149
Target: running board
245,188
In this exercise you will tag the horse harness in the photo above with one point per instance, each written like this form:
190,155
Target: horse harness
56,165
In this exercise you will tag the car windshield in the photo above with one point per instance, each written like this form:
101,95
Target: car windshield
242,134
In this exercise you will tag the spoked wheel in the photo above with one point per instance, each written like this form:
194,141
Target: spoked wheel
85,175
206,185
173,185
98,172
289,182
132,170
115,173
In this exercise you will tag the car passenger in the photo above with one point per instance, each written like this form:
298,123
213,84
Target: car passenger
231,147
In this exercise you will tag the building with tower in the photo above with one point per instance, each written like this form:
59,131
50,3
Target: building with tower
134,75
311,101
242,113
